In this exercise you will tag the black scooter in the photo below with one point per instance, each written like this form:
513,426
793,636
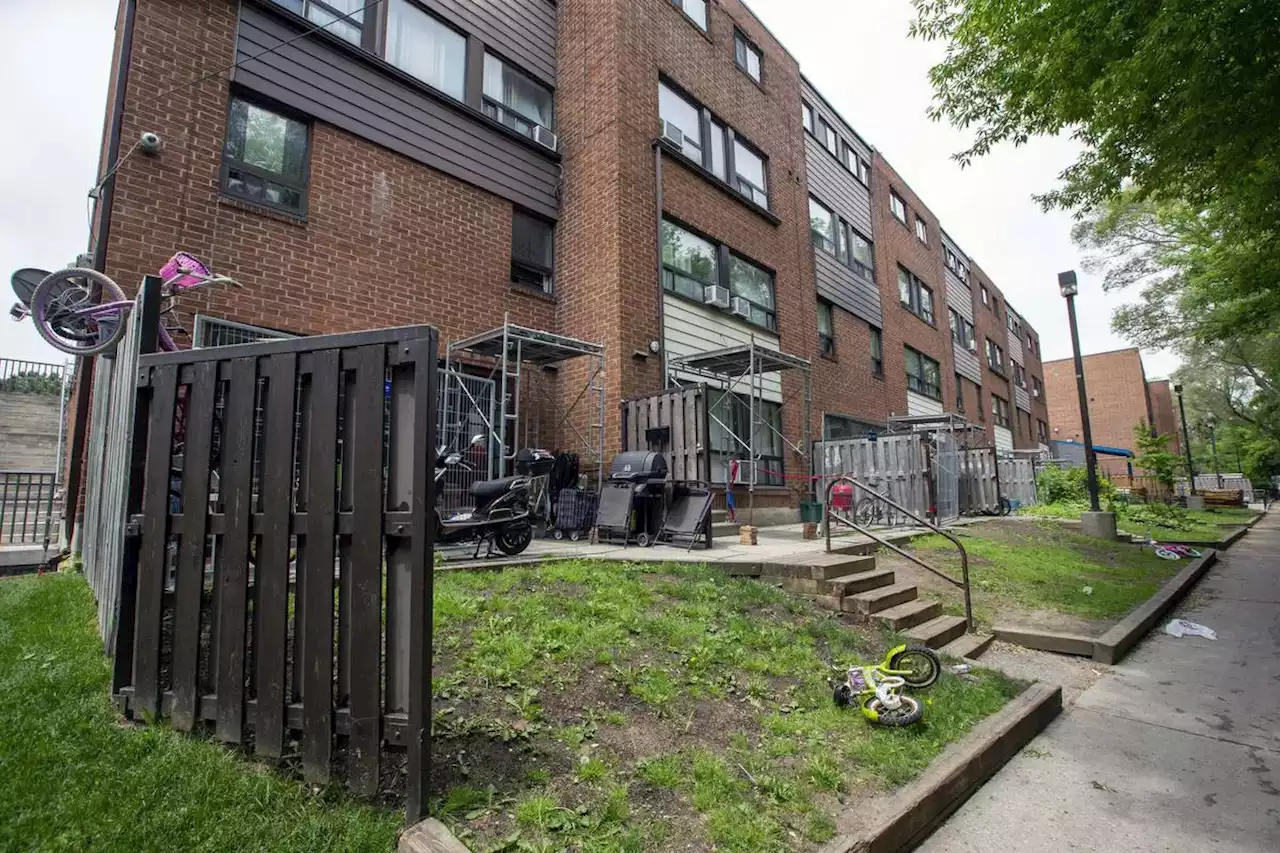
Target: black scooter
501,515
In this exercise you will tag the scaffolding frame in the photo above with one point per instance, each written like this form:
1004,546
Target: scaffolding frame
929,425
511,348
749,362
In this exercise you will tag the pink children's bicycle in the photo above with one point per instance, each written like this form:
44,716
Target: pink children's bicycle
83,312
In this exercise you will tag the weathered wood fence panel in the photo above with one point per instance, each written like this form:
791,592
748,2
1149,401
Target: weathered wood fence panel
674,423
895,465
277,477
1018,481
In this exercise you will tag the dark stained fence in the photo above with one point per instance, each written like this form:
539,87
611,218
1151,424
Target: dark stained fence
281,550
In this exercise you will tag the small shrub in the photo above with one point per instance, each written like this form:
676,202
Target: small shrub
1160,515
1070,486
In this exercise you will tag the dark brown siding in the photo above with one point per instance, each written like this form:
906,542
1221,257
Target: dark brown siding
522,31
337,86
846,288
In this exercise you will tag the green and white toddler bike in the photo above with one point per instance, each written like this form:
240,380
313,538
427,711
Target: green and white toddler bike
878,688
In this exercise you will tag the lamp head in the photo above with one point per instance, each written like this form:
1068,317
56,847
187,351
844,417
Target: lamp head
1067,285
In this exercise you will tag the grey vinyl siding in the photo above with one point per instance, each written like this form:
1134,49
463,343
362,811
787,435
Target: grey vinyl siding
338,86
959,296
844,287
1021,398
967,364
1014,347
523,31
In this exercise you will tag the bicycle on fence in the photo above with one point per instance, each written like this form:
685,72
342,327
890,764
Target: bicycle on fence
82,312
871,511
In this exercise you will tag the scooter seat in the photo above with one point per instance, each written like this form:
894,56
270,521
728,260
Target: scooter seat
485,491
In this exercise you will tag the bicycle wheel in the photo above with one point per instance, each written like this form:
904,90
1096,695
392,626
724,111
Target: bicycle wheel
71,319
909,711
864,514
1165,554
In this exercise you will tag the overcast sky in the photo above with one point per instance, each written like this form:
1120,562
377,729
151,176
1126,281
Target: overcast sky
855,51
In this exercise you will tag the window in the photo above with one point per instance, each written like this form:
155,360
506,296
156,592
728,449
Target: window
1019,375
747,56
719,160
995,356
861,254
731,413
982,411
829,139
847,157
1037,387
915,295
962,331
806,113
516,100
826,330
959,393
864,172
1042,431
327,14
822,224
877,352
995,306
265,158
1000,411
424,47
1031,344
923,375
695,9
986,297
898,207
843,427
677,110
1015,327
922,231
691,263
749,171
532,252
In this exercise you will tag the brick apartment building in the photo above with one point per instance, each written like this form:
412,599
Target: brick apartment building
1120,397
653,175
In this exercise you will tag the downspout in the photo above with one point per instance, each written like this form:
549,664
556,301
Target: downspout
662,337
79,427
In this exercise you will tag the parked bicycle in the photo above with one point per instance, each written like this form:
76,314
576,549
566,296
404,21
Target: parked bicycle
871,511
82,312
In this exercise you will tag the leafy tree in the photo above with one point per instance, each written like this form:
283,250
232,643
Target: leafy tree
31,382
1154,456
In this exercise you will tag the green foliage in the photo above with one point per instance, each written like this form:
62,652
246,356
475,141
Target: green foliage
31,382
72,777
1062,485
1161,515
1153,455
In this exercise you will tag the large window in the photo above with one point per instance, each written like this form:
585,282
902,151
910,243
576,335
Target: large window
739,164
923,374
836,237
514,99
898,207
995,356
748,168
747,55
877,352
695,9
1000,410
1015,326
343,18
826,330
426,48
691,263
916,296
823,225
532,252
955,264
730,427
265,158
962,331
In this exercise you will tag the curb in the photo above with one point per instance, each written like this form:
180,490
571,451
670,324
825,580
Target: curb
955,775
1115,643
1046,641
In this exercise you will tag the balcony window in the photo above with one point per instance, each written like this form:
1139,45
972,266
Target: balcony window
514,99
420,45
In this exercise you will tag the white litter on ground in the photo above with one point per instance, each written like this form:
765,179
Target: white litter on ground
1183,628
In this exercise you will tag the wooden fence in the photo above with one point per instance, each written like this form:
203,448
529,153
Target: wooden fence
894,465
1018,481
674,423
281,549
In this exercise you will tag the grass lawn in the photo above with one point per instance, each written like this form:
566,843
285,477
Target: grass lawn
1021,565
1207,525
74,778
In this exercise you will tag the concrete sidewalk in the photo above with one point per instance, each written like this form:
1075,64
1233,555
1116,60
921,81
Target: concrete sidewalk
1175,749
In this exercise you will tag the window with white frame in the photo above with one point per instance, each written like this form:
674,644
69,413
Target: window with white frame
747,55
898,207
923,374
695,9
677,110
922,231
749,171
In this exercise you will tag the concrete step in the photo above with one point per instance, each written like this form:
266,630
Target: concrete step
968,646
875,600
908,615
936,633
816,565
860,582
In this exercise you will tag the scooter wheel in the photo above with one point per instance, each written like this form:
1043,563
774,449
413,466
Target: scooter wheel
559,534
575,535
643,540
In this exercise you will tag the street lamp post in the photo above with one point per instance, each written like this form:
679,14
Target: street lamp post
1212,423
1187,441
1068,287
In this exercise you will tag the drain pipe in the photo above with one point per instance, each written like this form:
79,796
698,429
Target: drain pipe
662,338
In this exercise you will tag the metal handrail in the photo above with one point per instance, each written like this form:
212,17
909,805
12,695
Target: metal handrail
964,556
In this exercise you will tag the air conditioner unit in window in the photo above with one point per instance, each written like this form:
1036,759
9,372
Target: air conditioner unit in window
741,307
545,138
716,295
672,135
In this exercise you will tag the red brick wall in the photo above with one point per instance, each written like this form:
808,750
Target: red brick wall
897,244
1164,412
988,324
1117,401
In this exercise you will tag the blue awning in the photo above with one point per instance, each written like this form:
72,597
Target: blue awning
1098,448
